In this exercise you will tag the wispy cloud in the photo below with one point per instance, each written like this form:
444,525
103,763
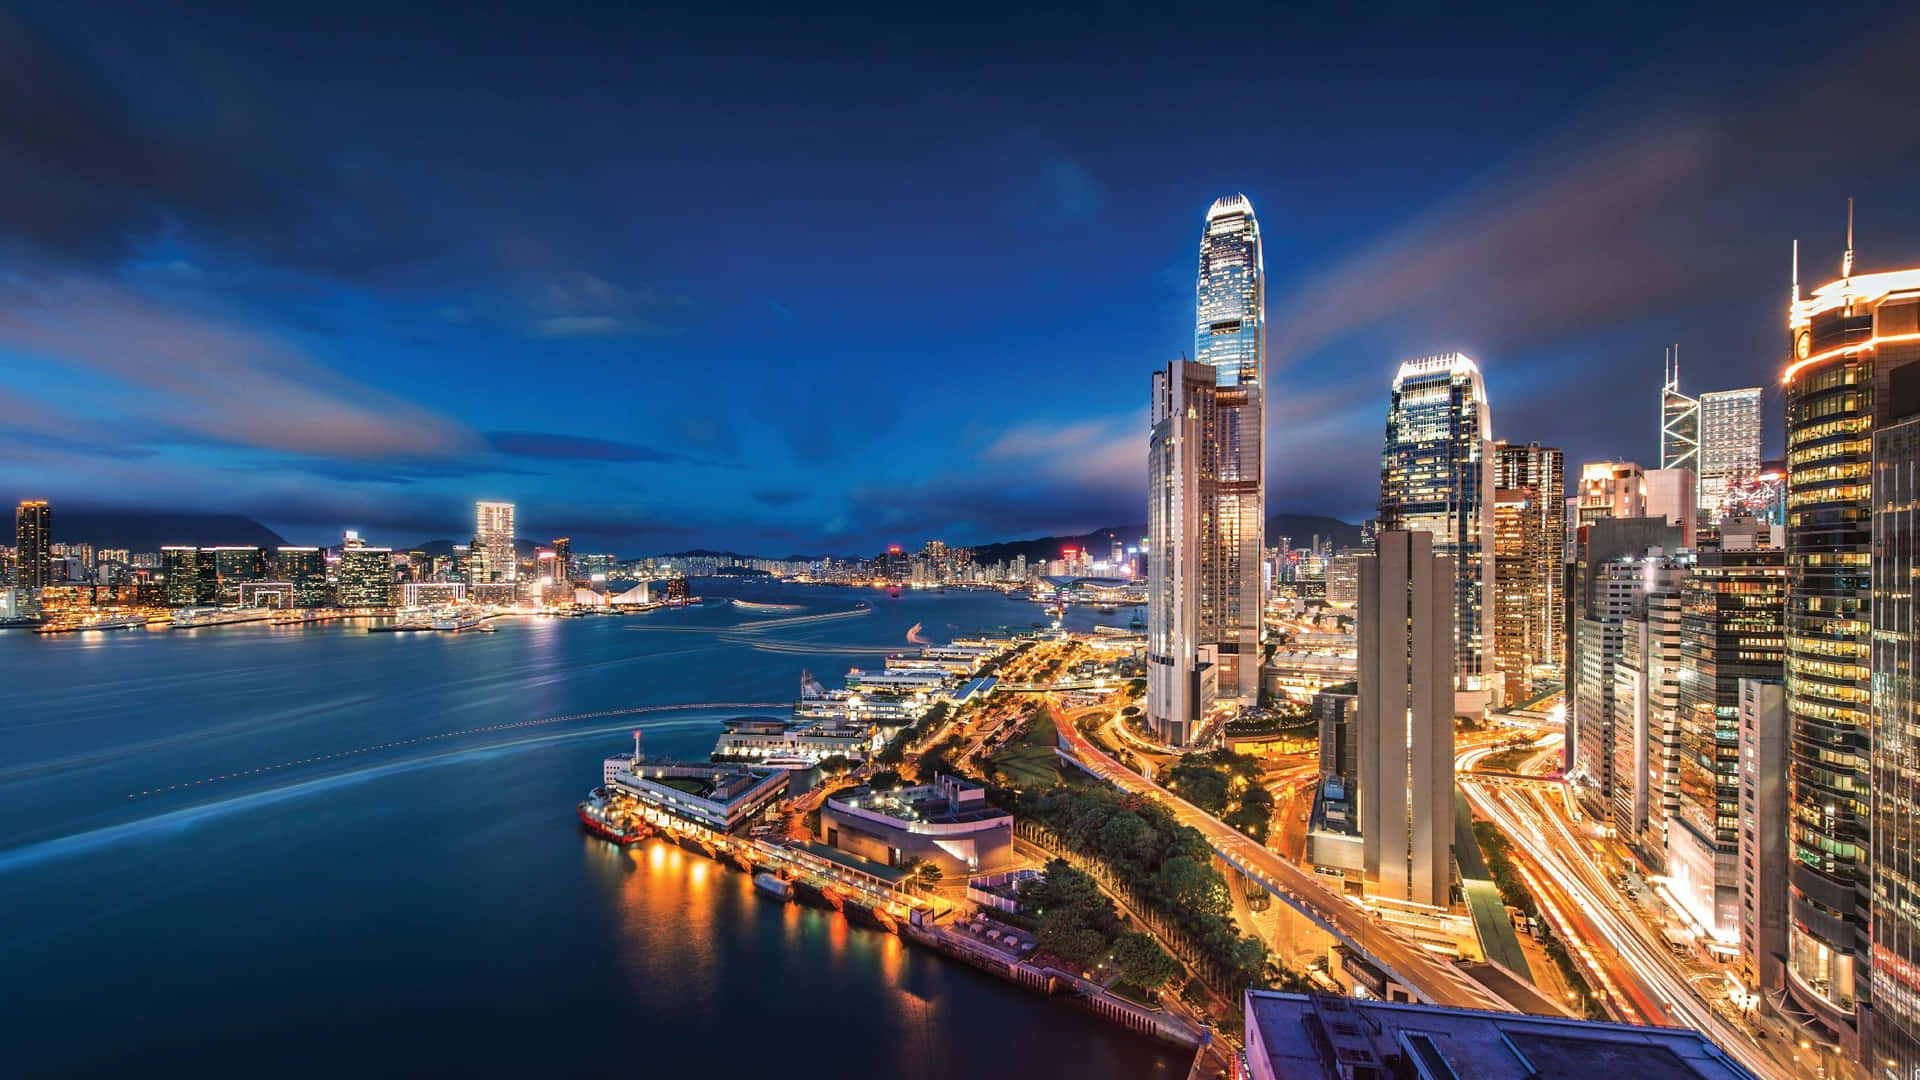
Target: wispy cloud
544,444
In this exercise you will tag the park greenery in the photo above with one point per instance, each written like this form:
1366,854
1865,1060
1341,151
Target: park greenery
1074,920
1513,892
1226,785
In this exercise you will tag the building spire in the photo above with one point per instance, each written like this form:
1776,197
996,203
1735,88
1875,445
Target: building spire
1796,269
1846,261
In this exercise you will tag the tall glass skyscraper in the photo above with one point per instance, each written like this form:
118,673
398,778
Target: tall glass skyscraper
1182,457
1729,446
1850,338
494,556
1679,422
1230,336
1896,742
1437,475
33,544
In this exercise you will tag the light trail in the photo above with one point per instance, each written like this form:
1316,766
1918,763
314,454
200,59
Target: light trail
423,739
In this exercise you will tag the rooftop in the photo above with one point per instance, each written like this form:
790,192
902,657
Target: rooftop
1312,1035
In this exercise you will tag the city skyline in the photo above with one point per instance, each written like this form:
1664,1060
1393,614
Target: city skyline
584,326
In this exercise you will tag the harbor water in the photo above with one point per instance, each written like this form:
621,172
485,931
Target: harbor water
311,850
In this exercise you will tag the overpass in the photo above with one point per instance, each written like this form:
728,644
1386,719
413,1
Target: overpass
1431,979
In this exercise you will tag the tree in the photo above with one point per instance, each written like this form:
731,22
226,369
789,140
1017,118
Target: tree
1201,785
1144,961
1254,821
1192,885
884,780
835,765
923,875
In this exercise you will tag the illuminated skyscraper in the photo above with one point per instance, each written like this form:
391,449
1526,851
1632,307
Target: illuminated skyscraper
1182,464
1230,336
1850,339
33,544
1729,446
1895,764
1679,420
1541,470
562,560
1437,476
494,555
1516,612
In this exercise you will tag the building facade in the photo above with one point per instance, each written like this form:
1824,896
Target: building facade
1848,337
1403,727
1230,337
1763,833
1437,476
33,544
493,553
1895,721
1542,470
1679,421
1518,637
1730,430
1182,618
366,577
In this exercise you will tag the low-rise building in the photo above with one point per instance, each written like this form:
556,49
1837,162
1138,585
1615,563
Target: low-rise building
716,796
947,822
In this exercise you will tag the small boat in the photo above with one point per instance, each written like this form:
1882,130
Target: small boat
602,820
773,885
813,895
487,628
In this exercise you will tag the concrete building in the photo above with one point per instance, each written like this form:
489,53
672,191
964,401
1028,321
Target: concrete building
1182,622
1611,489
33,544
1326,1037
1763,833
723,798
493,554
1607,732
1604,540
1230,338
1646,737
1673,494
1437,476
1404,724
1333,710
1849,338
947,823
1540,470
1895,721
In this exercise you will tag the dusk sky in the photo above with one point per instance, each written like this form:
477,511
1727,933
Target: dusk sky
781,284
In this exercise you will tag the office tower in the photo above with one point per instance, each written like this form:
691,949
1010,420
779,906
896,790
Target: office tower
33,544
1679,420
1763,832
1343,582
1848,339
1182,611
1730,429
1517,562
1733,611
493,535
366,575
1333,709
1230,336
1615,489
305,568
1404,723
1609,732
1895,721
1646,689
182,569
1672,494
563,560
1542,470
1437,476
233,565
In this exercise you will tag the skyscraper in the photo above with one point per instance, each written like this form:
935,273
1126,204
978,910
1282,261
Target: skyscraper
33,544
1895,763
1849,337
306,569
493,542
1437,476
562,560
1729,446
1230,336
1515,611
1182,614
1679,420
1404,725
1542,470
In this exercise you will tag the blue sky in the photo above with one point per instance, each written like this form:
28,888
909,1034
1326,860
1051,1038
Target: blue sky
777,282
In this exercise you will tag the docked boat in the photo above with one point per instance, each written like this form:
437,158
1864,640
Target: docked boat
773,885
458,619
601,819
814,894
100,622
863,913
196,617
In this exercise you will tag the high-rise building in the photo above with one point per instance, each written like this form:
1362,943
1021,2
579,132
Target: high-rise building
1182,613
233,565
1646,727
1733,610
563,560
366,576
1403,727
1679,420
305,568
1230,336
33,544
1763,833
1541,469
1895,718
1518,635
1615,735
1437,476
182,567
1616,489
1848,338
1673,494
1595,545
1729,446
493,538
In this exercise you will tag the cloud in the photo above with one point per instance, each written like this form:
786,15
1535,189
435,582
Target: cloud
587,305
542,444
779,496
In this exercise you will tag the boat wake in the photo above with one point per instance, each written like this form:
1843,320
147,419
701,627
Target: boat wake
916,637
751,605
809,648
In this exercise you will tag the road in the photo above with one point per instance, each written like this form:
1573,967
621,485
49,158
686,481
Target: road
1431,978
1635,962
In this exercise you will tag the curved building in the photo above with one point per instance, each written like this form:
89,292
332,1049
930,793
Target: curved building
1437,475
1849,338
1230,336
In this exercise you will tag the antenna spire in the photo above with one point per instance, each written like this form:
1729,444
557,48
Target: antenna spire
1846,262
1796,269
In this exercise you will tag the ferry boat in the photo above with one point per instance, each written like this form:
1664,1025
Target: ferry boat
99,622
194,617
602,820
773,885
457,619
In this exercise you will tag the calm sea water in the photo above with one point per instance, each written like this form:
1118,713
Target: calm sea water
320,851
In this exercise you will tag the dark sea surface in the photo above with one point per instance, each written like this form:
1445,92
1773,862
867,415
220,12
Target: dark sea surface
314,850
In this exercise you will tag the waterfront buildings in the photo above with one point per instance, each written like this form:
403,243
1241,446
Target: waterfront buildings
305,568
234,565
1763,833
192,580
716,796
1437,476
1849,338
1539,470
366,575
1730,428
1404,723
494,557
33,544
1230,337
1182,551
1325,1037
1679,420
1733,608
1894,768
946,822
